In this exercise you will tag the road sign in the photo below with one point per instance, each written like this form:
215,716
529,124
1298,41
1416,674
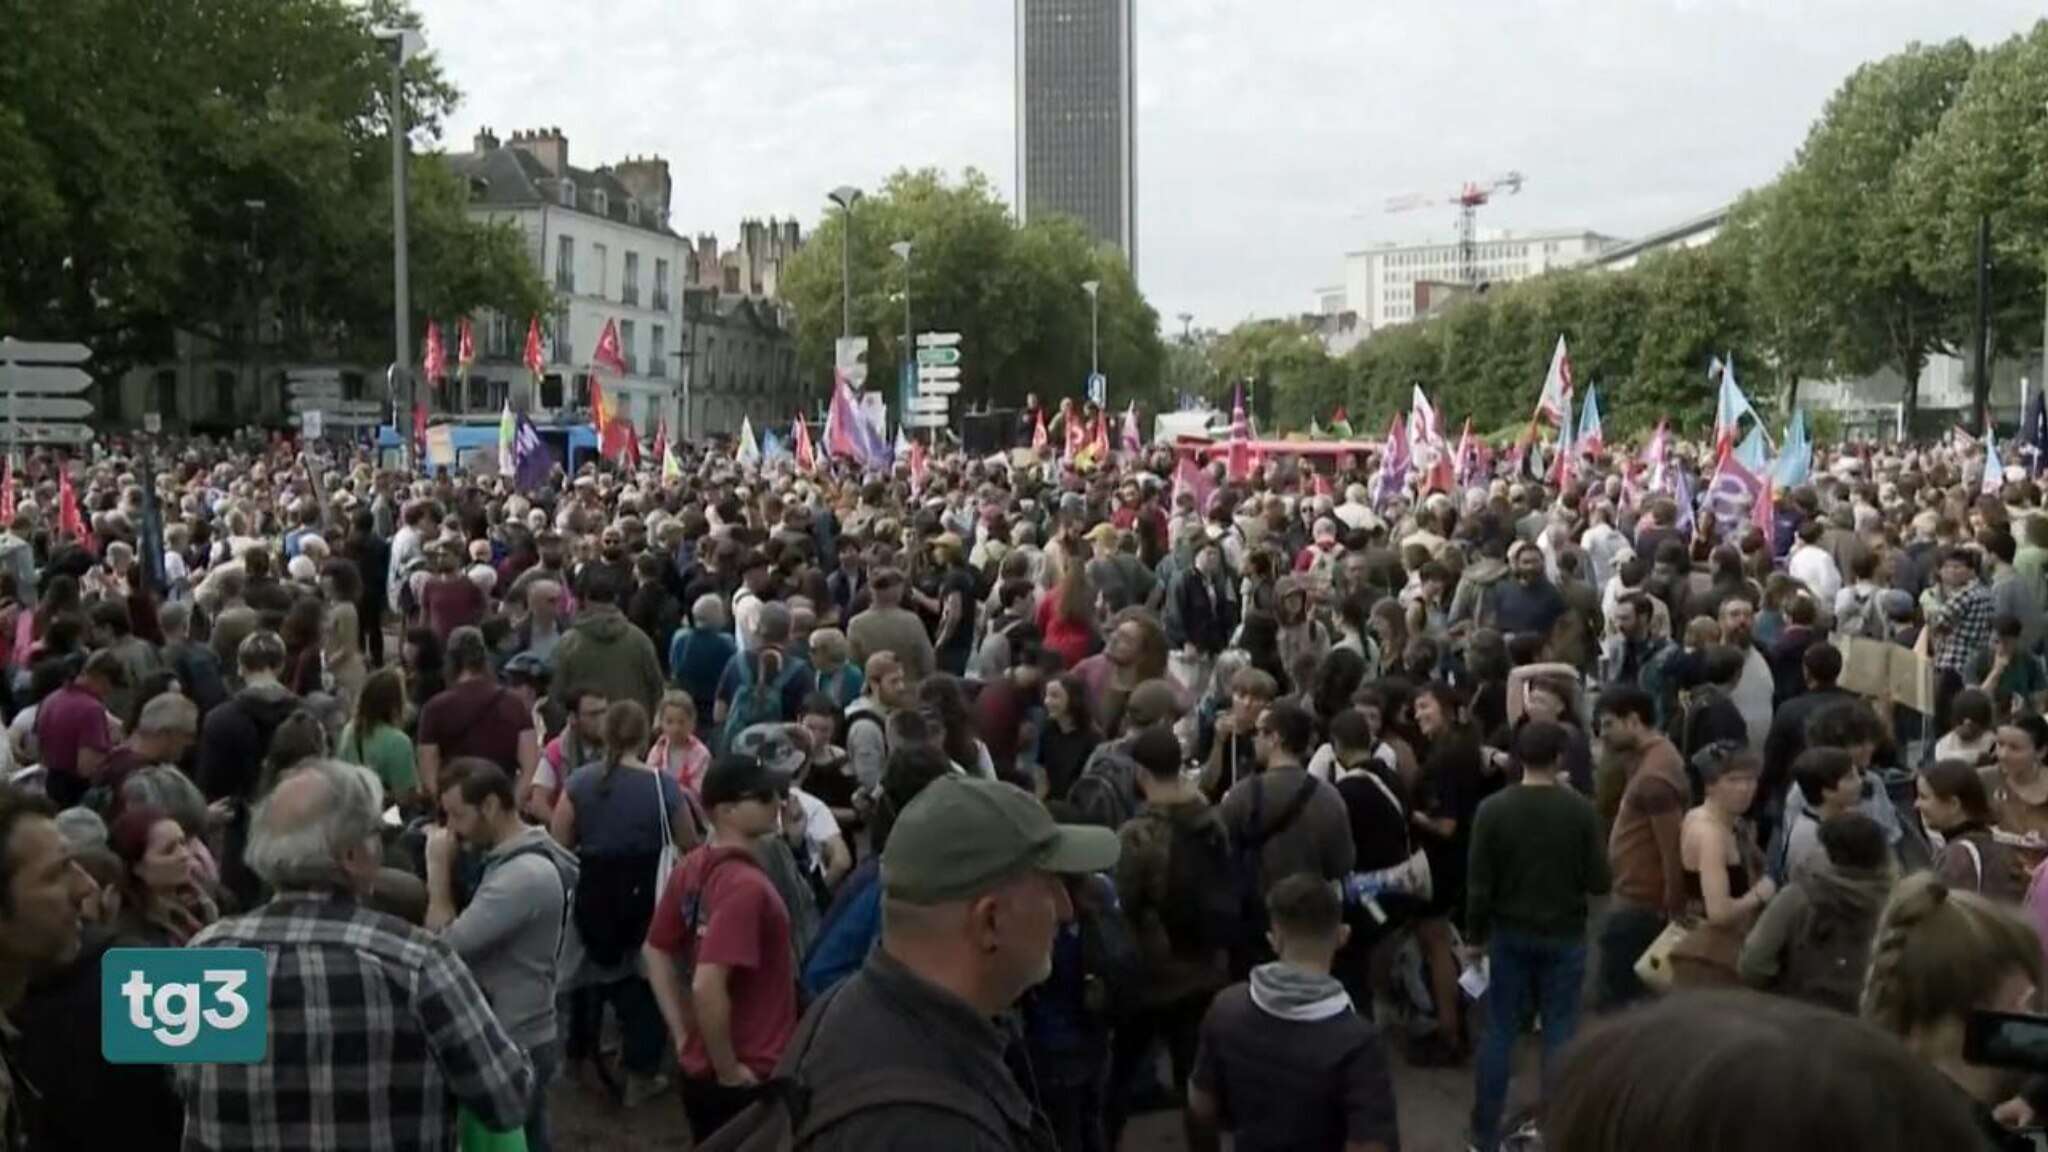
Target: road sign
309,423
1098,388
921,420
937,339
926,404
34,378
334,407
71,434
938,388
59,408
849,355
933,357
926,375
12,349
152,422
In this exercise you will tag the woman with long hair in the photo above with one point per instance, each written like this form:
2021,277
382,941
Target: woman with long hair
1953,804
1942,955
1455,778
1260,639
162,904
1067,737
1135,652
2019,792
1386,637
301,633
1066,619
611,814
1331,689
375,738
946,701
1725,885
425,664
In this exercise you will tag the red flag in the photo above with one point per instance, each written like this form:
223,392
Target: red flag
920,466
1238,465
1764,515
620,441
661,438
600,414
465,347
69,521
533,359
806,454
1101,440
1039,439
1077,436
435,357
608,355
7,491
1192,479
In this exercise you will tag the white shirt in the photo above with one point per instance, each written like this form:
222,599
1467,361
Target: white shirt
1601,543
1814,567
1752,697
820,826
746,619
405,547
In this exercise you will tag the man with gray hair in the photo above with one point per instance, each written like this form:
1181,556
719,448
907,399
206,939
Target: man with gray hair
378,1032
194,664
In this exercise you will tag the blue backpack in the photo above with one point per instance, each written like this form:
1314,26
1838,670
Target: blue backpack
756,703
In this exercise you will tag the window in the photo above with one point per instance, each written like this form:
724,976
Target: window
479,394
565,264
352,386
565,348
551,390
632,211
167,393
626,344
601,256
657,352
600,203
660,285
568,190
223,393
629,289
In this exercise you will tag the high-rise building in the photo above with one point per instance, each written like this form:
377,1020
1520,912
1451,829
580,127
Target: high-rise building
1394,283
1077,138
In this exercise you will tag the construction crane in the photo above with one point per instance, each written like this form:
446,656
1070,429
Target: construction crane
1468,199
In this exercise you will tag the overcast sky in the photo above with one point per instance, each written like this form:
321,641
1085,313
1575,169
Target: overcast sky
1270,132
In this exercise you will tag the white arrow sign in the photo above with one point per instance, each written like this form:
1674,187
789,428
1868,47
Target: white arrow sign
52,433
917,420
333,407
938,387
12,349
48,408
29,378
927,404
938,372
937,339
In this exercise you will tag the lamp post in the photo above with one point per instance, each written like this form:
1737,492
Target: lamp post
902,249
403,44
844,196
1187,320
1094,290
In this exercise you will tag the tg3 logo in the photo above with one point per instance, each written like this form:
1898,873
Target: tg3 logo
184,1005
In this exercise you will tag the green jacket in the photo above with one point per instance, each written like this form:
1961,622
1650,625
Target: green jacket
606,654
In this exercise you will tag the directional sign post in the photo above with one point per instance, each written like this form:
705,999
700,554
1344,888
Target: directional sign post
938,379
1098,388
41,382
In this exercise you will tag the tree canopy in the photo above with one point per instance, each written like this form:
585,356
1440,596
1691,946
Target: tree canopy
167,167
1012,292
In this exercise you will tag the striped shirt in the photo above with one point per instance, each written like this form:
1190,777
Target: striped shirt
377,1032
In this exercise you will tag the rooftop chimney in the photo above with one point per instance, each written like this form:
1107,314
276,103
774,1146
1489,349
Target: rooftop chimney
486,141
546,145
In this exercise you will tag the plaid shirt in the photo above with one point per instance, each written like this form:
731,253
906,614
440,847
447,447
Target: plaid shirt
1967,615
377,1032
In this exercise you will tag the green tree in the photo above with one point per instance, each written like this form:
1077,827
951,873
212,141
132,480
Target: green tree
1985,159
1841,227
1014,294
135,139
1291,377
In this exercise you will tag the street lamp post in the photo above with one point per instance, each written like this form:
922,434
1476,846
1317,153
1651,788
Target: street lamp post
902,249
1094,290
403,44
844,196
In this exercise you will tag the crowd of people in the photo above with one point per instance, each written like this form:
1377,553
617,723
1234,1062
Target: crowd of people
991,806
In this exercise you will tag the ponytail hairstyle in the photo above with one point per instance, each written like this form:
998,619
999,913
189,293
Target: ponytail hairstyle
771,634
1939,954
625,735
1959,781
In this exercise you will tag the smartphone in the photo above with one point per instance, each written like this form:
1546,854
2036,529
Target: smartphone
2007,1040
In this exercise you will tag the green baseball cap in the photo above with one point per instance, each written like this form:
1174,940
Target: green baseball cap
963,836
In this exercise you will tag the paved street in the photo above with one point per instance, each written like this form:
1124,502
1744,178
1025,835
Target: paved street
1433,1103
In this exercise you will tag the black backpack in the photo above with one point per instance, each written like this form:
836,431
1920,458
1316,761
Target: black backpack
1202,912
1250,886
1830,957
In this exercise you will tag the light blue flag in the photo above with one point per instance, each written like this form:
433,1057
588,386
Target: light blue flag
772,447
1795,463
1751,451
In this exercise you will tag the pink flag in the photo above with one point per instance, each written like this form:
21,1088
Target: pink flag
1133,443
436,363
806,455
1193,479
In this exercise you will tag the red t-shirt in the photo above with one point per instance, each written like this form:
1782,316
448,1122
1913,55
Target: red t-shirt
1070,638
452,602
72,720
477,718
743,926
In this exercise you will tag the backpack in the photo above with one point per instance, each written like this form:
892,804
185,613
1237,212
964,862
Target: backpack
756,703
1201,912
1865,618
1106,790
1109,949
1249,886
1830,957
788,1115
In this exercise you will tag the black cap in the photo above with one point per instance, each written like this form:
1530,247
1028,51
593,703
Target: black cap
735,777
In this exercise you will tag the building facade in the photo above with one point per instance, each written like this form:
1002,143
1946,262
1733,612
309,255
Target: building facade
1077,138
1391,284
